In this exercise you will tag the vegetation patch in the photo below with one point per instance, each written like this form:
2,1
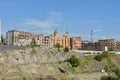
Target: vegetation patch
100,57
111,68
74,61
58,46
66,49
24,78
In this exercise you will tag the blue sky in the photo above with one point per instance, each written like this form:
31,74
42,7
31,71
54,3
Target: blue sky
77,16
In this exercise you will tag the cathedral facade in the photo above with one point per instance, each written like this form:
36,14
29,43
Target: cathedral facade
64,40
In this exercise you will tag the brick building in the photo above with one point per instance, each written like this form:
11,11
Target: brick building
76,43
111,44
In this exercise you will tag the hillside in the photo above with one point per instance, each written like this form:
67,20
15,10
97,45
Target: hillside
43,64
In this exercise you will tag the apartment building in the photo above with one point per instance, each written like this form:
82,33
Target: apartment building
111,44
20,38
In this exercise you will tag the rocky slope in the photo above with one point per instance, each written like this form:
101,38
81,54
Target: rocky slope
41,55
43,64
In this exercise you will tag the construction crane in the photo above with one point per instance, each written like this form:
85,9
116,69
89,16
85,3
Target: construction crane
92,33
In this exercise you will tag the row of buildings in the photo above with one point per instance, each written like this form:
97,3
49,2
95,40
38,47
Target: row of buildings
100,45
21,38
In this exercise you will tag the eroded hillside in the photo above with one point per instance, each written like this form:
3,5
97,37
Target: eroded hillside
43,64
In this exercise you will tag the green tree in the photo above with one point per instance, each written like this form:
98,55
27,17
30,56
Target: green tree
66,49
74,61
33,43
58,46
2,39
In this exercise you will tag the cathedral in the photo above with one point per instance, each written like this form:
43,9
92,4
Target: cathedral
64,40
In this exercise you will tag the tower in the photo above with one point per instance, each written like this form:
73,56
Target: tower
0,31
67,39
56,33
67,33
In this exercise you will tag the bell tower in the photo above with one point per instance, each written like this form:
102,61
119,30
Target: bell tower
67,39
67,33
56,33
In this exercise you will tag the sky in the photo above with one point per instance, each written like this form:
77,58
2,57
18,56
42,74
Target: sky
77,16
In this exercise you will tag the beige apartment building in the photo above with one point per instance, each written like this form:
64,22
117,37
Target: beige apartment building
20,38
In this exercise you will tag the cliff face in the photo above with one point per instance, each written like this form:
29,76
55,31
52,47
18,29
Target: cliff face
36,55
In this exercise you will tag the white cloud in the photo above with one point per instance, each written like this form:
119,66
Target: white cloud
97,30
95,21
38,23
55,13
56,16
42,26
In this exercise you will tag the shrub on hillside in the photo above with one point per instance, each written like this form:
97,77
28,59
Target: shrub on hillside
99,57
106,54
66,49
111,49
117,72
74,61
108,78
24,78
